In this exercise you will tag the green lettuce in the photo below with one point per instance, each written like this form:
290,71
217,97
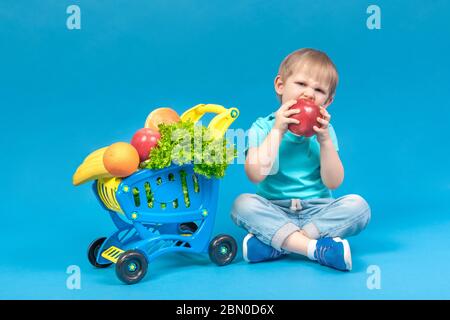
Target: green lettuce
186,142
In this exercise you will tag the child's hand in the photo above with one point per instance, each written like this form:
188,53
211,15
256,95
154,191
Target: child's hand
322,133
282,119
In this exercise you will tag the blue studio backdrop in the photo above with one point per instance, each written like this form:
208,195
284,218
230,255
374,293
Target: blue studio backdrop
66,92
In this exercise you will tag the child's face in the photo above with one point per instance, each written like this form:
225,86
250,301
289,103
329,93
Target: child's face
302,86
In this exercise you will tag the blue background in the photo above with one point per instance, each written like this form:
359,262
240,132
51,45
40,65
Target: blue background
64,93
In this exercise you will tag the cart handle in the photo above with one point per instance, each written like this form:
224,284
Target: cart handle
219,124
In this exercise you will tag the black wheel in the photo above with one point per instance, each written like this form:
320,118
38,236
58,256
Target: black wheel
222,249
131,267
93,251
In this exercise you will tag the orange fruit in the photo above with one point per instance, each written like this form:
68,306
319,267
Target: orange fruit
161,115
121,159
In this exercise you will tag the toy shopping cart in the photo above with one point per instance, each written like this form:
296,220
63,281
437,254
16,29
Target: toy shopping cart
162,211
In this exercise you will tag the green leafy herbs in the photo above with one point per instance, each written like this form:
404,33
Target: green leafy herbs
185,142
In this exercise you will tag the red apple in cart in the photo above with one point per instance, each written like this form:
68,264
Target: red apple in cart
309,112
144,140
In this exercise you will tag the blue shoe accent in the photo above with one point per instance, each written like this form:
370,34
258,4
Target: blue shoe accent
256,251
334,253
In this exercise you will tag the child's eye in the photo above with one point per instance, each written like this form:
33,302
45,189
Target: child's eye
320,90
301,84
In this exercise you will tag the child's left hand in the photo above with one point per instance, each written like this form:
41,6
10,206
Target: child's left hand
322,133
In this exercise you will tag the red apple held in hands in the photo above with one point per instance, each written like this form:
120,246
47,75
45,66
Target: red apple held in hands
144,140
309,112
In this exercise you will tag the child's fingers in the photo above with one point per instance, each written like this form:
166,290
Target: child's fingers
287,105
319,130
325,113
290,112
291,120
324,122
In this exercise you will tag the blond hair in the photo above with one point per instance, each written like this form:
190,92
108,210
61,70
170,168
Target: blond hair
314,63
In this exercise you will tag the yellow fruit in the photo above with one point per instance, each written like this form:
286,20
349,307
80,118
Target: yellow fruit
161,115
121,159
96,154
92,168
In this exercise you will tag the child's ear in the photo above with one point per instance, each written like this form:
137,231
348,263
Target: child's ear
279,85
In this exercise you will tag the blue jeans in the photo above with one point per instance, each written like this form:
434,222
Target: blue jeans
273,221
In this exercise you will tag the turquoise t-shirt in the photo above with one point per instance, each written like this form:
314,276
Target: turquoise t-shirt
296,171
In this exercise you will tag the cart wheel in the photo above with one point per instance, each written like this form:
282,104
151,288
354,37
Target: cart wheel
131,267
222,249
93,251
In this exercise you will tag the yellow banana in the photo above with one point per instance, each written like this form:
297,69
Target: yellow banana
219,124
196,112
97,153
92,168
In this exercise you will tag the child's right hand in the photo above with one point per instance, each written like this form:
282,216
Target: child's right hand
282,119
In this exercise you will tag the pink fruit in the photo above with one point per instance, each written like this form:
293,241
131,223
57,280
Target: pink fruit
144,140
309,112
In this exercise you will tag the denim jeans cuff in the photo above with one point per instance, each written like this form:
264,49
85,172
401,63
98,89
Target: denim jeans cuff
312,231
281,235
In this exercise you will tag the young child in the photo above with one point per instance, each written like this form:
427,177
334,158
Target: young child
293,210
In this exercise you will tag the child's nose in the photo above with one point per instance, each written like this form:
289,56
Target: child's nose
308,94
